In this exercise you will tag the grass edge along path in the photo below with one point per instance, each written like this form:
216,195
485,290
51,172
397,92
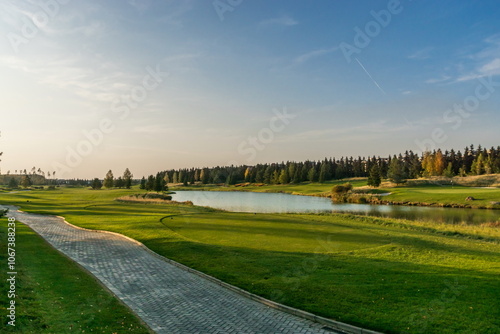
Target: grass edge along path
56,295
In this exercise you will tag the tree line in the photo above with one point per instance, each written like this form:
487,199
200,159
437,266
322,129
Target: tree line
397,168
110,181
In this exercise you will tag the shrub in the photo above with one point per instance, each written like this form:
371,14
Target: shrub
340,192
363,200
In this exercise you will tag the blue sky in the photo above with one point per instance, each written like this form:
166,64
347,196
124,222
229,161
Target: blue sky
74,99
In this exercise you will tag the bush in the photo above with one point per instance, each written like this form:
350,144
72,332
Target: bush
340,192
363,200
153,196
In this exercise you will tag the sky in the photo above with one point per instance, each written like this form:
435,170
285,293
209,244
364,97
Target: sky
88,86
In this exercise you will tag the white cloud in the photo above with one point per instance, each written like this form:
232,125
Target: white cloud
97,83
283,20
140,5
491,68
357,132
487,60
422,54
152,129
443,78
316,53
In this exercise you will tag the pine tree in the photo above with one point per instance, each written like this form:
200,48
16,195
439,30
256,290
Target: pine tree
276,177
159,183
26,181
109,180
296,176
448,172
374,178
96,184
312,175
415,167
268,174
396,173
204,176
324,172
477,167
119,182
259,176
284,177
150,183
292,170
127,178
143,183
13,183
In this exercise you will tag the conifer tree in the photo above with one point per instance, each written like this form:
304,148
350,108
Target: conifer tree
13,183
323,174
127,178
284,177
109,180
312,175
26,181
374,178
96,184
396,173
150,183
448,172
119,182
159,183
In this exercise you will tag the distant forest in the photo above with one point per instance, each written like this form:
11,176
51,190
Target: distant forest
397,168
472,161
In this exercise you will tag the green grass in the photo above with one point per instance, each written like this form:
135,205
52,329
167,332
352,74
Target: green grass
54,295
383,274
445,195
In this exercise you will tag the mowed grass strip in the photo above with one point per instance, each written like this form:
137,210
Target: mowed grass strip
272,232
389,275
446,195
54,295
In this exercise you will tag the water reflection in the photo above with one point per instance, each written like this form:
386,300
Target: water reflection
285,203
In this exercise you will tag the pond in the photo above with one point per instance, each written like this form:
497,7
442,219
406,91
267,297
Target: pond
239,201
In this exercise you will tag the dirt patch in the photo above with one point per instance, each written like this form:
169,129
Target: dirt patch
150,198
